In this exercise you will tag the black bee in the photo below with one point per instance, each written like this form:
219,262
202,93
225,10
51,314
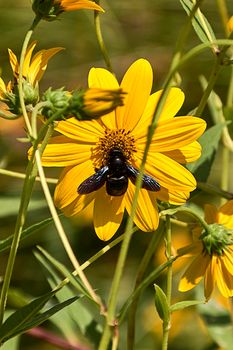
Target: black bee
116,174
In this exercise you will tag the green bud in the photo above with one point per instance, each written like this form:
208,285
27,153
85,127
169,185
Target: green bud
30,93
161,304
58,103
216,239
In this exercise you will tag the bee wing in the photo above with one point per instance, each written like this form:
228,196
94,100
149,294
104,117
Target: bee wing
94,182
148,182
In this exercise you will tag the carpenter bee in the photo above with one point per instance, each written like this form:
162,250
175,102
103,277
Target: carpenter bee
116,174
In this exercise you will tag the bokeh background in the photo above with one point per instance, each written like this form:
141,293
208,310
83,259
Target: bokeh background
131,29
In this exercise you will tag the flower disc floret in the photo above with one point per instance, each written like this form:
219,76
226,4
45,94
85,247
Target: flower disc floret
114,139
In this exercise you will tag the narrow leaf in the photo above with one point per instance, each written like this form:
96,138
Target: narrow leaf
36,321
183,304
24,314
65,272
6,243
200,23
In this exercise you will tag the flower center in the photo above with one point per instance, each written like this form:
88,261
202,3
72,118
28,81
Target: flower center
113,139
217,240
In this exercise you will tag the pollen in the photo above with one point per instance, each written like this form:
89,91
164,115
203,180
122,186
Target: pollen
114,139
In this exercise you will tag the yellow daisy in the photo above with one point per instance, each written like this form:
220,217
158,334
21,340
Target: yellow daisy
119,137
212,253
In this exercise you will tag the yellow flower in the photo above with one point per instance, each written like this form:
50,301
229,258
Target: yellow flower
212,254
86,146
33,70
50,9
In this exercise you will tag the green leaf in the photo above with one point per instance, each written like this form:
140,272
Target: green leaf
76,321
6,243
21,316
36,321
65,272
209,142
219,324
161,304
200,24
183,304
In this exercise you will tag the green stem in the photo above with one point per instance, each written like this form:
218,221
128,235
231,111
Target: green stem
189,212
149,280
214,190
150,251
125,244
100,40
29,181
20,81
18,175
223,14
166,325
63,235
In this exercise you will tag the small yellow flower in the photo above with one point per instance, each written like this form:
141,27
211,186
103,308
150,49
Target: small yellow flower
212,254
33,70
86,146
50,9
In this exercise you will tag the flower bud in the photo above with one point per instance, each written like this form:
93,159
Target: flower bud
30,93
95,102
58,103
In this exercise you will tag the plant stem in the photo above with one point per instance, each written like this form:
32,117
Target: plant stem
101,40
20,81
19,175
167,325
29,181
150,251
62,233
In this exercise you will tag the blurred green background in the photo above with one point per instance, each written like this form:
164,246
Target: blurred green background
131,29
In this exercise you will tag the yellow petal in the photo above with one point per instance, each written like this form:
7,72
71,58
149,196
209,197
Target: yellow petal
13,62
27,59
171,106
70,179
211,213
146,217
226,214
72,5
39,64
209,281
88,131
175,133
62,152
186,154
2,87
173,197
137,83
170,174
190,250
227,259
223,279
108,214
102,78
194,273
